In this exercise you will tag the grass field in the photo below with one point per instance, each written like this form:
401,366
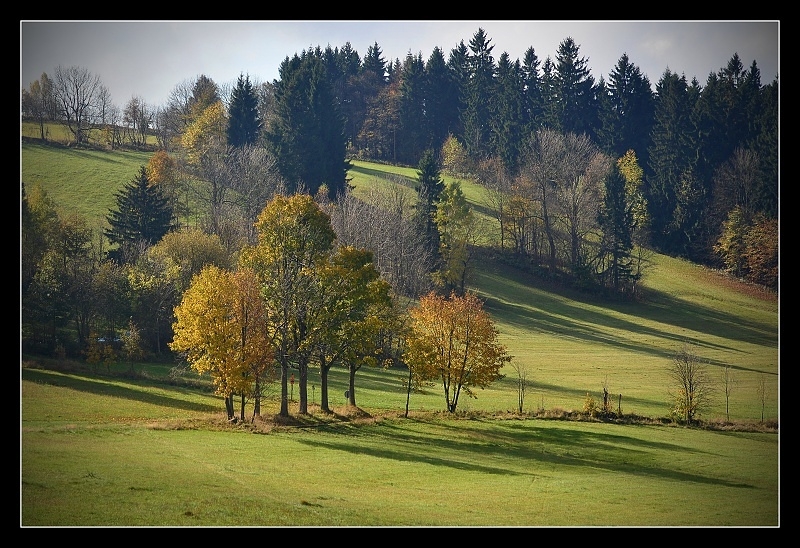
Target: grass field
112,450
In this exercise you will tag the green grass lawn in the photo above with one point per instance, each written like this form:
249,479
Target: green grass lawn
104,451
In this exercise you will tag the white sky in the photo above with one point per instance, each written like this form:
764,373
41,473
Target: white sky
148,59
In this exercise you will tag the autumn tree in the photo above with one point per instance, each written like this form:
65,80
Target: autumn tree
220,328
294,237
357,305
454,340
191,249
162,169
457,227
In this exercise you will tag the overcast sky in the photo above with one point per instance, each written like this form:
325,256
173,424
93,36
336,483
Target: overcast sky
148,59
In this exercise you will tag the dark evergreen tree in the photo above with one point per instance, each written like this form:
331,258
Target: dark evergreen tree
507,116
672,156
765,144
458,64
441,100
412,136
244,122
344,73
307,133
531,93
551,118
480,92
429,187
374,63
576,109
616,222
627,118
143,216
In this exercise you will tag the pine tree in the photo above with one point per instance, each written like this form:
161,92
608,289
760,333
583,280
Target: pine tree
429,189
576,108
143,215
480,90
244,123
411,139
307,133
671,158
507,117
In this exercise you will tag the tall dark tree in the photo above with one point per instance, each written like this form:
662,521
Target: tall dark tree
441,100
458,65
765,143
374,62
480,90
628,117
507,112
576,109
672,156
143,216
551,118
412,110
244,121
429,187
616,221
307,133
531,93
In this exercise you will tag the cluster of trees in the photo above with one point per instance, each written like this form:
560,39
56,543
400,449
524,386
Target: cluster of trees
298,300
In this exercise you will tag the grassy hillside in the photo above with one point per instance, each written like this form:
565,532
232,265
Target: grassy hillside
104,448
80,180
569,343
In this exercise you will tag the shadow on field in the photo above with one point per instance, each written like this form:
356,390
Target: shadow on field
519,448
106,388
521,304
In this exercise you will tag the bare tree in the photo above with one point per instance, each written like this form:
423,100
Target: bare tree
761,390
383,224
522,384
77,93
255,179
694,387
540,166
728,380
579,191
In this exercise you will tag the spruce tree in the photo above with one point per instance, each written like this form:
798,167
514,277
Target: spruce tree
143,215
429,189
307,133
244,123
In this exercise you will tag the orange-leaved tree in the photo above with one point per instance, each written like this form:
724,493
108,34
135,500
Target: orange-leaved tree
453,339
221,328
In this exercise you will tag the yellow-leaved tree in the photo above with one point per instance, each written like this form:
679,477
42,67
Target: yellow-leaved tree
295,238
221,328
453,339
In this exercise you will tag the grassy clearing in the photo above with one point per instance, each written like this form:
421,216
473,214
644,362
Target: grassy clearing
133,454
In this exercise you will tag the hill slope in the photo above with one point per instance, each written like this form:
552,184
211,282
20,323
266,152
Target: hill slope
567,343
